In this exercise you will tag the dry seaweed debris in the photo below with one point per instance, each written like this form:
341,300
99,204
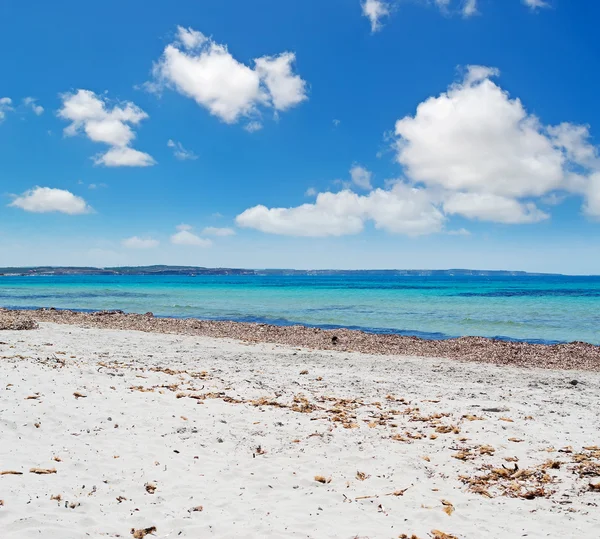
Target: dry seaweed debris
587,463
527,483
437,534
11,472
141,533
576,355
12,321
43,471
448,507
322,479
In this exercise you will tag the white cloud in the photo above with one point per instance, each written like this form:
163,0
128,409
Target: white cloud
469,8
30,102
486,153
402,210
184,236
136,242
190,38
375,11
287,89
474,137
361,177
458,232
311,192
472,151
91,115
5,106
180,152
216,231
574,140
489,207
124,157
47,199
253,127
592,204
535,4
205,71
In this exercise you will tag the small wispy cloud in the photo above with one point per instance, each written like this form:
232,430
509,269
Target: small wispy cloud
185,236
180,152
375,11
30,102
361,177
253,127
5,106
536,4
136,242
459,232
218,231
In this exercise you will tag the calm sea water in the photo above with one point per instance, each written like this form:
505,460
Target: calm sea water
536,309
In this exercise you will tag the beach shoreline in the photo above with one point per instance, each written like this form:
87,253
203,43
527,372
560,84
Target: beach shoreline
113,432
568,356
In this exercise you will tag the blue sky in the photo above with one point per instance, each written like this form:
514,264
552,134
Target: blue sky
337,134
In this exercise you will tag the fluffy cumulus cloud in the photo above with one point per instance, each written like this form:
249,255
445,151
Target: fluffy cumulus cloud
375,11
135,242
216,231
5,106
473,151
489,155
47,199
285,88
490,207
401,210
180,152
93,116
198,67
185,236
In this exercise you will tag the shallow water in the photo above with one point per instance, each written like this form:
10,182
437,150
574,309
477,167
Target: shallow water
532,308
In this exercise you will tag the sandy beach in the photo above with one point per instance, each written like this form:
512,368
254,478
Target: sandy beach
122,433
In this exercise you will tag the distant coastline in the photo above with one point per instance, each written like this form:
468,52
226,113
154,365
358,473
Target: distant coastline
194,270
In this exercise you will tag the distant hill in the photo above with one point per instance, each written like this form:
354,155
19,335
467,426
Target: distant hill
193,270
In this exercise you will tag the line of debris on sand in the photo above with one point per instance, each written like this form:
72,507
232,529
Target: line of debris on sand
570,356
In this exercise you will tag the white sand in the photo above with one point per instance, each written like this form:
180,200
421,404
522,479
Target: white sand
206,454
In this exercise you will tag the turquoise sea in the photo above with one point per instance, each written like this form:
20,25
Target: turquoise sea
533,308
